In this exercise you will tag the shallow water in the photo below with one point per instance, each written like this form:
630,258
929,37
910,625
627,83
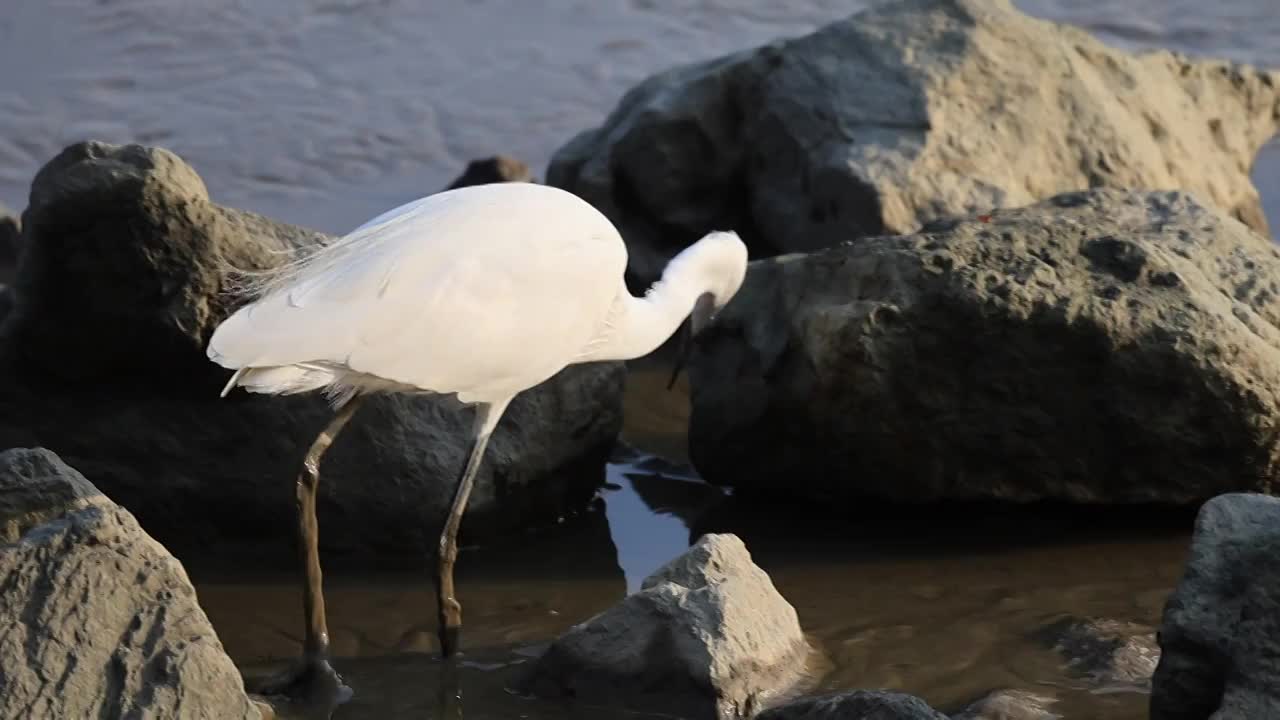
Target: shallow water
944,603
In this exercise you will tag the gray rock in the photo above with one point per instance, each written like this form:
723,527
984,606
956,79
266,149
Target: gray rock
1220,635
1108,652
1030,354
496,169
707,636
855,705
97,619
1010,705
127,269
904,113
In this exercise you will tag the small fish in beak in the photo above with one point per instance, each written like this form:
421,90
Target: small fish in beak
699,319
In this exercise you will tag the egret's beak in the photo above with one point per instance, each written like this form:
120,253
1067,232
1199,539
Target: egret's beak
698,320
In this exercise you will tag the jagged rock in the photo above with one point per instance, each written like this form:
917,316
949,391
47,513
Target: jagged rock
1220,635
707,636
855,705
496,169
1024,355
97,619
1010,705
904,113
128,267
1107,652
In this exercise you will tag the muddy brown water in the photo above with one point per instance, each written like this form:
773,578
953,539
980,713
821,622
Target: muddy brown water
945,603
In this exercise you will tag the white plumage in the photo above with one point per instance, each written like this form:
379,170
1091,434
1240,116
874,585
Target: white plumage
480,292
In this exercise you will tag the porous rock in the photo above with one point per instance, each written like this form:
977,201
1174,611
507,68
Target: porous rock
126,270
907,112
1105,346
1220,634
97,619
707,636
855,705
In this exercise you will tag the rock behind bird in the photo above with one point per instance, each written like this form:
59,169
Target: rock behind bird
125,271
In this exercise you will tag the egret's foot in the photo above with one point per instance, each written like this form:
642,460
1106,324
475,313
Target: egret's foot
310,682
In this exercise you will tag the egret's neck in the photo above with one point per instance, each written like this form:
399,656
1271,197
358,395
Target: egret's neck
639,325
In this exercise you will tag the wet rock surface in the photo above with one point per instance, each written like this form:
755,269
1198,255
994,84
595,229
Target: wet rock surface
128,267
1010,705
905,113
1220,635
97,619
855,705
1100,347
707,636
1108,652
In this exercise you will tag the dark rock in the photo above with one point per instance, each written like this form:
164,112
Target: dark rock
707,636
1220,635
1010,705
1107,652
905,113
127,269
496,169
999,360
97,619
855,705
10,241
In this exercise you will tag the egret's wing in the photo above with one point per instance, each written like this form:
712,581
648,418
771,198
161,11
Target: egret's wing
446,296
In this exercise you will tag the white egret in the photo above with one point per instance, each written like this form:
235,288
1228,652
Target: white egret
478,293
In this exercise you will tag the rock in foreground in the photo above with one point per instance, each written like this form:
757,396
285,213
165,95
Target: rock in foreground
855,705
1010,705
1099,347
1220,635
128,267
906,112
96,618
707,636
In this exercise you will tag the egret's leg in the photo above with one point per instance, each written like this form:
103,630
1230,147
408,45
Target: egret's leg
450,610
314,680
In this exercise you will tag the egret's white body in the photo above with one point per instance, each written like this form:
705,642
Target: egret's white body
479,292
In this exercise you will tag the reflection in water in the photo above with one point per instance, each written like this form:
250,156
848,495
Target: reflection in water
947,602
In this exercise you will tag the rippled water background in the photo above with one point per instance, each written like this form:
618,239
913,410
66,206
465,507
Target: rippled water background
326,112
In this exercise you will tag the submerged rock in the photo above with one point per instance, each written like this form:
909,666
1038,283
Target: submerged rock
707,636
855,705
1010,705
96,618
1107,652
1220,635
907,112
126,270
1099,347
496,169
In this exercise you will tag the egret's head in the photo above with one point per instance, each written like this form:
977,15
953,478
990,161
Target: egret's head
720,261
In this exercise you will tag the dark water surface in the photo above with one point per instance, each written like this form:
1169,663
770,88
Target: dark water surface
944,603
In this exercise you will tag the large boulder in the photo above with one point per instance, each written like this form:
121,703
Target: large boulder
1101,347
904,113
97,619
855,705
1220,635
126,270
707,636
